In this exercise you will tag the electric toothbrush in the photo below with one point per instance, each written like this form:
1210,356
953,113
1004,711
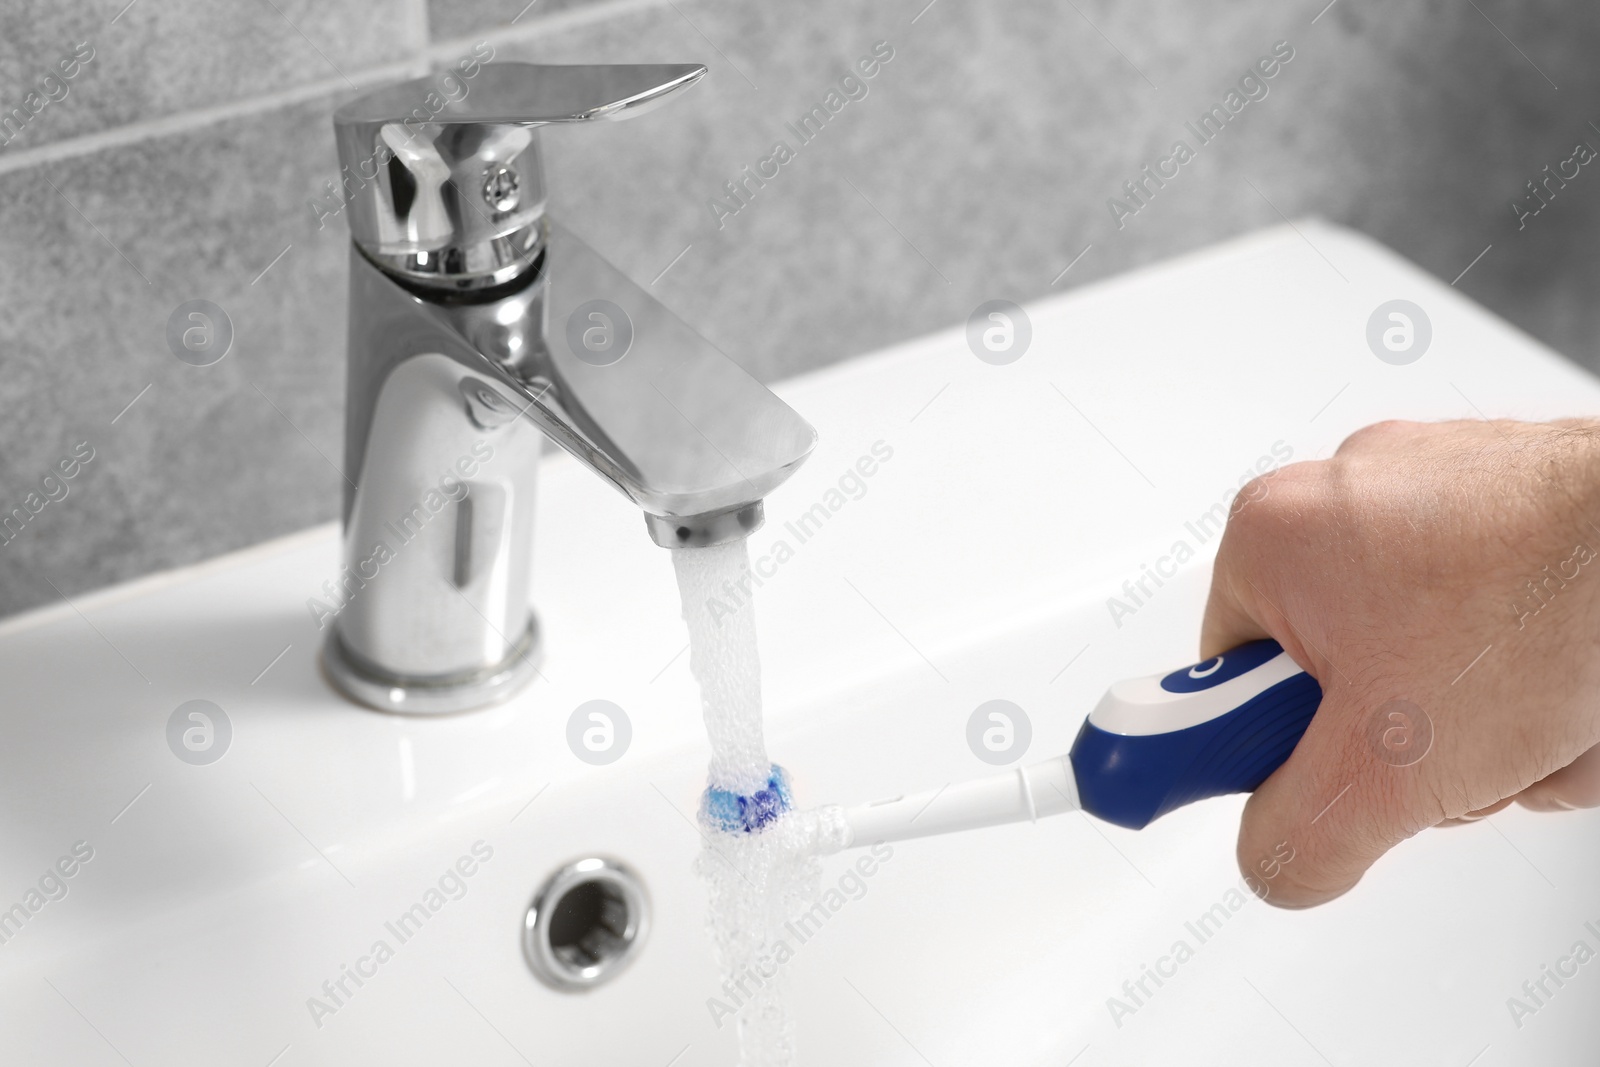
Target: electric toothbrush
1149,747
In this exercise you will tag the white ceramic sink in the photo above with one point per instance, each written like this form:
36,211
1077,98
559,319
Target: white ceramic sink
976,565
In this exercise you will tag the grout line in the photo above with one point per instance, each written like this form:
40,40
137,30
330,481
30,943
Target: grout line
184,121
415,65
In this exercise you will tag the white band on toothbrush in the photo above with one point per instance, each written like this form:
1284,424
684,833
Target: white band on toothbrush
1045,788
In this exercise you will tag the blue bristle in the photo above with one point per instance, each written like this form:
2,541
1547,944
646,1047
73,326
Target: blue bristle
735,813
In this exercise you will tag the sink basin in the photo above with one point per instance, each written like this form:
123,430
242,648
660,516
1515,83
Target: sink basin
221,901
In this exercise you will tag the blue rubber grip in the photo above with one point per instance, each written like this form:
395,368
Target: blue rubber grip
1132,779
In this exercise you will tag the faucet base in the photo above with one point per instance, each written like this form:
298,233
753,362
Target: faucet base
365,684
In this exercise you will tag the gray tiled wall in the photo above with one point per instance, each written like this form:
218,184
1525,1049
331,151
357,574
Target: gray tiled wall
181,160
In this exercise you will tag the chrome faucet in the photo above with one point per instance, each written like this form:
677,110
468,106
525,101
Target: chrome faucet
475,323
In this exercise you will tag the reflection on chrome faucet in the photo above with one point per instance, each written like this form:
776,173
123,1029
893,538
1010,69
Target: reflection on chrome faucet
452,490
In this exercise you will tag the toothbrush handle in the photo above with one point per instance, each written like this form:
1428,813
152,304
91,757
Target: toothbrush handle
1220,726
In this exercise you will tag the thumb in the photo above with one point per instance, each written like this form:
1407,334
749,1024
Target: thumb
1347,794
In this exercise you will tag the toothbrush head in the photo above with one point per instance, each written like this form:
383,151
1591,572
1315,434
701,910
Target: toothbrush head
736,813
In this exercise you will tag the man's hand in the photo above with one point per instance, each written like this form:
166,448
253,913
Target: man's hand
1441,577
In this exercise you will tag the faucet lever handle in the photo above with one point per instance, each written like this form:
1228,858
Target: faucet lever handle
442,175
521,94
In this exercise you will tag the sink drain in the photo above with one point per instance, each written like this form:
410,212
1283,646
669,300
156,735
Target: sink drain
586,924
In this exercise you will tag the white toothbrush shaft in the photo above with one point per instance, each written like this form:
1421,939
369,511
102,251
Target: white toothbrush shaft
1022,795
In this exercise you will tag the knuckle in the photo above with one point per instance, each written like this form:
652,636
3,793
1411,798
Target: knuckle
1377,434
1266,503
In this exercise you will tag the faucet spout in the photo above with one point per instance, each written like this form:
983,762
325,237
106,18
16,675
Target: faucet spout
643,400
614,378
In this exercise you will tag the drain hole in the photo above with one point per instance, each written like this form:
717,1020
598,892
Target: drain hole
586,923
589,925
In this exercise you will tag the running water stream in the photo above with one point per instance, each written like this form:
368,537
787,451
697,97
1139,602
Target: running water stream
760,862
